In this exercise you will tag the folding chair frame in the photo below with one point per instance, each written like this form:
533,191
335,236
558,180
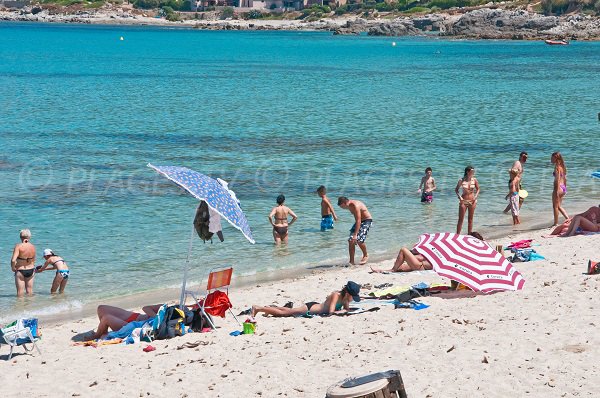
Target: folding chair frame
15,344
212,286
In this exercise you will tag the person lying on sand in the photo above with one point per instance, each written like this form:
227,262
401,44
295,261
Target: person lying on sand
336,302
588,221
410,260
115,318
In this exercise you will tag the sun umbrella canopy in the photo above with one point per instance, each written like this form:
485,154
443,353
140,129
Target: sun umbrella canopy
469,261
215,193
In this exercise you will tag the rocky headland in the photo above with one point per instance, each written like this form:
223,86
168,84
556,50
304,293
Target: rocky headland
483,23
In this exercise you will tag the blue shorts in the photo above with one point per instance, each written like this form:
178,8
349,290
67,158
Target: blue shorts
327,222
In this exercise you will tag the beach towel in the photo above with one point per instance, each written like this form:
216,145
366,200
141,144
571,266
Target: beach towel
389,292
127,330
217,303
524,255
522,244
414,304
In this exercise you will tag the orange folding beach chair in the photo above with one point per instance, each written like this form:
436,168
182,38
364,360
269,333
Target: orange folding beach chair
216,301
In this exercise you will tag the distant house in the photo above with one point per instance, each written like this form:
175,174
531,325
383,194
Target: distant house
330,3
274,5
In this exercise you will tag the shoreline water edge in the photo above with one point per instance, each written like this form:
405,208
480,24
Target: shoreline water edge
277,276
482,23
539,341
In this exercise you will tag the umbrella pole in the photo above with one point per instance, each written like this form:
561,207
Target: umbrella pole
185,270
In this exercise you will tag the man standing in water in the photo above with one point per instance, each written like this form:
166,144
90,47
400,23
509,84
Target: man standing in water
360,229
518,167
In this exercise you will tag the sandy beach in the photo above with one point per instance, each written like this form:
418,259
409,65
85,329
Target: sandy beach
542,341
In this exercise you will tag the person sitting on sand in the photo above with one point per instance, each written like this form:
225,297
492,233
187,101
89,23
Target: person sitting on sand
336,302
62,271
279,220
22,264
588,221
115,318
411,260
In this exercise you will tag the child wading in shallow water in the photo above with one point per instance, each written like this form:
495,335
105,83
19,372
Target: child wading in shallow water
513,195
427,186
327,212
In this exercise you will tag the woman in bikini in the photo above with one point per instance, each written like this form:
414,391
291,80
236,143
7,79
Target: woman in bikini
338,301
279,220
411,260
62,271
23,264
560,186
115,318
468,199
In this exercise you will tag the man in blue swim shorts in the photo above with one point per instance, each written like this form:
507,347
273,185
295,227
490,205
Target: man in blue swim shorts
360,229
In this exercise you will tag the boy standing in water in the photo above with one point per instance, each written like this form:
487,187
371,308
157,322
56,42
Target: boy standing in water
327,212
513,195
428,185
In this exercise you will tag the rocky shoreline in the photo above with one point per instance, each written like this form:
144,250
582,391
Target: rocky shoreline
484,23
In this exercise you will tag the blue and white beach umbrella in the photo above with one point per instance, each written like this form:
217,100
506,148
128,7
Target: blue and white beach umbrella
214,192
217,196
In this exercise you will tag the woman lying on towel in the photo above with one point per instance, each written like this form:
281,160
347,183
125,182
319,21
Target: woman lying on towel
588,221
334,303
411,260
115,318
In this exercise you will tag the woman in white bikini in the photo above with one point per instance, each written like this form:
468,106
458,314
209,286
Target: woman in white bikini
468,199
62,271
23,264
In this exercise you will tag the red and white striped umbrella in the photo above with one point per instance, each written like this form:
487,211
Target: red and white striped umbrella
469,261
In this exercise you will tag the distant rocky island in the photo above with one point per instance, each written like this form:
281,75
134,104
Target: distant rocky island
490,21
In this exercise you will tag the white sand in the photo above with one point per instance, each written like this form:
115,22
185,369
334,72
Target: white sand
543,341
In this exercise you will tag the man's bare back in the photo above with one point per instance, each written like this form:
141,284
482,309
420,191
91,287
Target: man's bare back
358,208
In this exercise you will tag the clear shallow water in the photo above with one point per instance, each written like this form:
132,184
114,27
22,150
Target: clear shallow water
82,113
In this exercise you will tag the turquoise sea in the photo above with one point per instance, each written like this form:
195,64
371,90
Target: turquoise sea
82,113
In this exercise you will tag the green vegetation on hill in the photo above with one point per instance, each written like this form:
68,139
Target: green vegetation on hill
365,7
560,7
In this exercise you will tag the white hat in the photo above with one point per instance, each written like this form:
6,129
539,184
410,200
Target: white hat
48,252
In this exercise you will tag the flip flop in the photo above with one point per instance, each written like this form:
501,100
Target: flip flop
384,285
246,312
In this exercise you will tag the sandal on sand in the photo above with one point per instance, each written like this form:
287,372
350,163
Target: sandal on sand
289,304
384,285
246,312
